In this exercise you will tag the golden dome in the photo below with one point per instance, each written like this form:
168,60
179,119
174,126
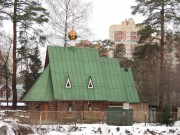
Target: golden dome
72,34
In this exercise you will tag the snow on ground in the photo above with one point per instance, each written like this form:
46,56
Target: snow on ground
96,129
92,129
9,129
103,129
177,124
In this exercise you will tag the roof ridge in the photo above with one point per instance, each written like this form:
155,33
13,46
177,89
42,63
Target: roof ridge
71,47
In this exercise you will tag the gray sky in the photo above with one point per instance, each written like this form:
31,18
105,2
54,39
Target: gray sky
104,13
108,12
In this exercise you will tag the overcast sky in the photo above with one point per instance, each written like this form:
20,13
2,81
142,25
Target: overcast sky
109,12
105,13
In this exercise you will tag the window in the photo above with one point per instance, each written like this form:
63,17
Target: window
117,40
89,108
133,32
133,37
70,108
90,83
37,108
133,41
68,83
140,107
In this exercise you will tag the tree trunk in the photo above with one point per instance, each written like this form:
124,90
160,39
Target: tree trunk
162,37
66,32
66,27
14,58
162,57
6,74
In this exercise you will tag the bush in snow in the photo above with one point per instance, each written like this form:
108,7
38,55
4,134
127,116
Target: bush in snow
165,118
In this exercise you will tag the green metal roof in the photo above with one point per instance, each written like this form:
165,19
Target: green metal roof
111,83
42,89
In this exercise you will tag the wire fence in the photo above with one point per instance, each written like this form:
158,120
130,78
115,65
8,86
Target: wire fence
109,117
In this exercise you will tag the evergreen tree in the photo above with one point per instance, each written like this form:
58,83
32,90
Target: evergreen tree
23,14
165,116
159,14
33,68
145,70
120,51
107,42
146,35
35,65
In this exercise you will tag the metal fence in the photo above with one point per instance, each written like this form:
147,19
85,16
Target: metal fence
62,117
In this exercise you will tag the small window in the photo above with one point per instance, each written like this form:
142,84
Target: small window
70,108
68,83
89,108
90,83
140,107
37,108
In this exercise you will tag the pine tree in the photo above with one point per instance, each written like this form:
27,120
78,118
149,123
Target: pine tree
159,14
165,116
23,14
35,63
33,68
120,51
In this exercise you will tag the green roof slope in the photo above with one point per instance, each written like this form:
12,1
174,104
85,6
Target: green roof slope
111,83
42,89
113,80
79,64
129,85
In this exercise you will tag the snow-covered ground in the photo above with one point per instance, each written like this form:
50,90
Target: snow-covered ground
92,129
103,129
10,126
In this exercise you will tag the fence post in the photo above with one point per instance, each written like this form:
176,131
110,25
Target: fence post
145,118
103,117
40,118
61,117
123,118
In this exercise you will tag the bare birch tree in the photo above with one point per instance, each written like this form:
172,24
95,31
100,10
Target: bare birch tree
63,13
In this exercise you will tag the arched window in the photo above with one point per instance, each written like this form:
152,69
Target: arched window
70,108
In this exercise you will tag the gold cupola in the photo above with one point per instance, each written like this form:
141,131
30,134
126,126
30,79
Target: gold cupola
72,34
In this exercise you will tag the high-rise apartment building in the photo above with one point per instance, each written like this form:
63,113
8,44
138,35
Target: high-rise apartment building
126,33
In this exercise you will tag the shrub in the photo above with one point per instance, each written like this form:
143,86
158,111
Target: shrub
165,116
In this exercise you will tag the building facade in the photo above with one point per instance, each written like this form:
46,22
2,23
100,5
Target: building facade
78,80
126,33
